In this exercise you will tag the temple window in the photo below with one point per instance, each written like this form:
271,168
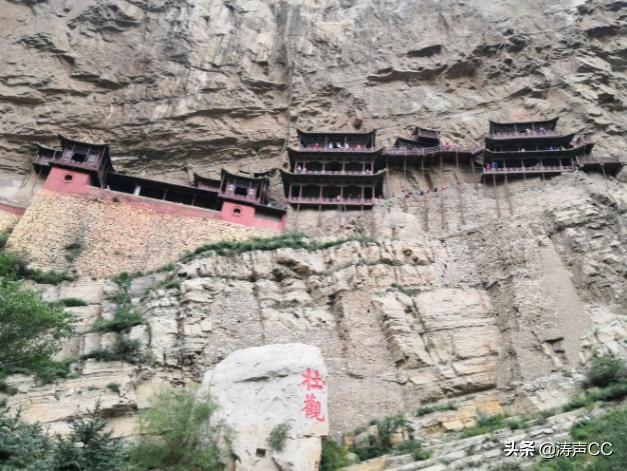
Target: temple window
79,156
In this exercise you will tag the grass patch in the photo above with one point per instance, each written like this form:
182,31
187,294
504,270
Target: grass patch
604,371
610,427
278,436
612,392
73,250
293,240
404,290
50,371
380,443
123,320
124,349
485,424
424,410
72,302
114,387
414,448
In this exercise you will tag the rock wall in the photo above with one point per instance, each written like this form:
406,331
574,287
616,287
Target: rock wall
177,85
102,233
8,219
501,291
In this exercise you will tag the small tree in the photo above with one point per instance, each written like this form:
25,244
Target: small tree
172,431
23,447
30,329
89,447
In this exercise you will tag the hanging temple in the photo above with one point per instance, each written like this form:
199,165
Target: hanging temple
331,170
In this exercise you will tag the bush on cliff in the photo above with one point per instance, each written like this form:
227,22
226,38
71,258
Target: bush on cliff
333,456
31,330
175,434
88,447
611,427
606,370
293,240
15,267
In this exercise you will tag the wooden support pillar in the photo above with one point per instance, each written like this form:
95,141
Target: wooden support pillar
496,196
405,166
507,195
442,207
137,190
524,171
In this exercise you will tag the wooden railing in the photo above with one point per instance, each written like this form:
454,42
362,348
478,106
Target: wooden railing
336,149
534,169
423,151
519,134
332,172
323,200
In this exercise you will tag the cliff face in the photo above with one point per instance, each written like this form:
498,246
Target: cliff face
495,295
172,84
500,310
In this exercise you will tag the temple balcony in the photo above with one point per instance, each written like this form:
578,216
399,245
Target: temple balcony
356,149
331,201
444,149
548,170
524,134
332,172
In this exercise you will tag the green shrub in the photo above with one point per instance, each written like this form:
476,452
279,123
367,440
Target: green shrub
114,387
122,321
424,410
72,302
124,349
27,447
612,392
13,266
49,371
73,250
605,370
278,436
288,240
31,330
333,456
23,447
89,447
485,424
414,448
175,434
3,240
380,443
49,277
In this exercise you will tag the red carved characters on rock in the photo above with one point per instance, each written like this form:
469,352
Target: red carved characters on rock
311,406
312,381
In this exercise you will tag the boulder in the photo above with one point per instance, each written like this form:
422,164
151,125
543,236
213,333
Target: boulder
264,389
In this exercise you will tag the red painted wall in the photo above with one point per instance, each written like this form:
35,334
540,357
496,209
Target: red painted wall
7,208
70,181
